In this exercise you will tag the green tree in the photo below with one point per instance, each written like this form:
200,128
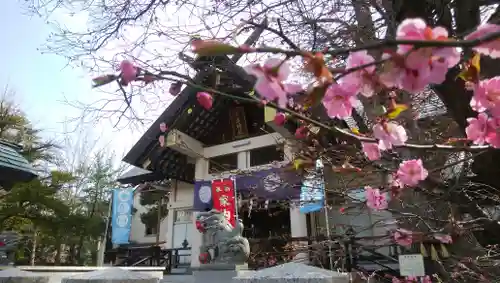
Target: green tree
96,180
15,127
32,207
153,197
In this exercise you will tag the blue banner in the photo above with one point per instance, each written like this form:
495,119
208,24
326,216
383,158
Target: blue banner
202,196
121,218
312,194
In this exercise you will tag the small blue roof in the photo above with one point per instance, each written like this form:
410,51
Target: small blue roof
13,166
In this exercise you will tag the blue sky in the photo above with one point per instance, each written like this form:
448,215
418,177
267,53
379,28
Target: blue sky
42,81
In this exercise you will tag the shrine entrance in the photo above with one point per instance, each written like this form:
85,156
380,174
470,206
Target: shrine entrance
267,227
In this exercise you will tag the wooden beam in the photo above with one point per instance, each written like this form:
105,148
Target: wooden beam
184,144
243,145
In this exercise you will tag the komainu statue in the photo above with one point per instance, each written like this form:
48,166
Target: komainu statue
221,243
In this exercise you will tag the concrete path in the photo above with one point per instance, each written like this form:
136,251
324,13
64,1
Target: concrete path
177,279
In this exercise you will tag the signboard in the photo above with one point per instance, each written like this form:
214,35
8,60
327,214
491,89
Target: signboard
238,122
411,265
121,218
223,198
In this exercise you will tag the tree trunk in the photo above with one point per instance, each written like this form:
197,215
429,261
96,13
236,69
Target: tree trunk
57,259
82,237
72,254
33,247
78,256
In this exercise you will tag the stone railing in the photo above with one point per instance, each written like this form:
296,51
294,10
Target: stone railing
57,273
289,272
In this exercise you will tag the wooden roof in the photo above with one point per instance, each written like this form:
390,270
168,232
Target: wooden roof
137,175
186,115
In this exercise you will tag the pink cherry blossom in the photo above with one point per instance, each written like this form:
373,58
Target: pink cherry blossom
424,65
414,279
396,74
410,29
128,72
477,130
396,280
441,60
486,95
362,79
301,132
415,80
161,140
391,72
491,48
280,119
205,100
495,112
483,130
411,172
163,127
389,134
396,187
493,135
445,239
339,101
403,237
175,88
417,29
375,199
371,150
270,80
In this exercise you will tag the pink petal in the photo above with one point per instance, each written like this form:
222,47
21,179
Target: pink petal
255,70
284,70
161,140
439,32
280,119
293,88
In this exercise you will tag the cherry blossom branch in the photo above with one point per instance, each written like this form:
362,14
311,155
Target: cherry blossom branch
371,46
344,132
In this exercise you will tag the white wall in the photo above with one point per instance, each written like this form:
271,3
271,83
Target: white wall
138,229
181,198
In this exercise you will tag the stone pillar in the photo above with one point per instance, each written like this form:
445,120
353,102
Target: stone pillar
292,272
15,275
111,275
200,173
298,229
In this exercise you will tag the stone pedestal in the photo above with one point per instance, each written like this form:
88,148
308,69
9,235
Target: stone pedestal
111,275
218,273
15,275
292,273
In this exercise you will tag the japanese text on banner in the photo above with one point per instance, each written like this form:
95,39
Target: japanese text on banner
223,198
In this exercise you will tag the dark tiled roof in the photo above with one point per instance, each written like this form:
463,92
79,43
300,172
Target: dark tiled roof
13,166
